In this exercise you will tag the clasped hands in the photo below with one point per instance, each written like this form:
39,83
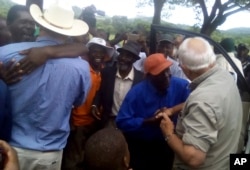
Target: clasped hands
166,124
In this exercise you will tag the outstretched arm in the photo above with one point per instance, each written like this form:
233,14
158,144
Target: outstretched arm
37,56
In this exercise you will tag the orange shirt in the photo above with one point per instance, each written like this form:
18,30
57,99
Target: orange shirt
81,115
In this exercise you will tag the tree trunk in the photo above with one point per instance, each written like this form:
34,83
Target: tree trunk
158,5
209,27
38,2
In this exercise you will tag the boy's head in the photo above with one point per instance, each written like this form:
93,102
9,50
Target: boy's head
107,150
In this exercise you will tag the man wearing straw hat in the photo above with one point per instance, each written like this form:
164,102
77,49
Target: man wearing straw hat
43,99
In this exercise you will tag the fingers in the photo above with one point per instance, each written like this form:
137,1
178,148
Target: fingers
11,72
5,146
26,66
95,113
24,52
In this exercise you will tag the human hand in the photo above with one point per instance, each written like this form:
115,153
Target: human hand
164,110
11,159
34,57
152,120
11,72
95,112
167,126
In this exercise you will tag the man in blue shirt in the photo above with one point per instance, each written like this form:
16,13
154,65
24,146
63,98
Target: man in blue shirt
136,117
42,100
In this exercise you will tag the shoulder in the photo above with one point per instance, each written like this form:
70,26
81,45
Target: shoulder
179,81
108,70
138,73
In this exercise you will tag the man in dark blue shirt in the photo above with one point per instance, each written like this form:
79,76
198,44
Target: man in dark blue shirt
137,115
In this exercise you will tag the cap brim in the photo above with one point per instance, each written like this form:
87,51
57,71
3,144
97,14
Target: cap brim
110,50
160,68
137,57
166,40
78,28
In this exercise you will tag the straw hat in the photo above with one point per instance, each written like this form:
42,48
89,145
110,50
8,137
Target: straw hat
59,19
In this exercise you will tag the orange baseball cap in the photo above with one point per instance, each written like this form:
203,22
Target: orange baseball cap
156,63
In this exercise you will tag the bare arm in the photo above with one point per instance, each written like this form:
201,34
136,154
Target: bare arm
37,56
170,111
190,155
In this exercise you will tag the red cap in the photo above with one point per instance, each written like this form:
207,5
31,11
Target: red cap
156,63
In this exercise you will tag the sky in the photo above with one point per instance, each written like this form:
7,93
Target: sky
128,8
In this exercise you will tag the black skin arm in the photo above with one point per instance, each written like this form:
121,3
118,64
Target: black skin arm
37,56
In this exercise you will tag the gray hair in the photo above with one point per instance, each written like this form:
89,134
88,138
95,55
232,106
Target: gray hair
196,53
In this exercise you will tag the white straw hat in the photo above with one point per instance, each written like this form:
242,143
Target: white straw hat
60,20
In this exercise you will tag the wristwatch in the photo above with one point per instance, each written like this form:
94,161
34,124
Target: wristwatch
167,137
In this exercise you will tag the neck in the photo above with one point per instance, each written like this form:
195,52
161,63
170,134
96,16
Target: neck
59,37
124,73
197,73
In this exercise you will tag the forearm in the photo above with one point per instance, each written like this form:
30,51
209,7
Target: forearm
174,110
177,108
66,50
187,153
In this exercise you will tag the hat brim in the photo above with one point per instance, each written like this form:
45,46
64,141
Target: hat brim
160,68
166,40
110,50
78,28
137,57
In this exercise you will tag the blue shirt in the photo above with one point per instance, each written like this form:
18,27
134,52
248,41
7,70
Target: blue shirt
176,70
142,101
5,112
42,101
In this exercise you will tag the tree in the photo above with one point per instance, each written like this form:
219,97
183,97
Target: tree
219,12
120,23
4,7
37,2
158,5
214,12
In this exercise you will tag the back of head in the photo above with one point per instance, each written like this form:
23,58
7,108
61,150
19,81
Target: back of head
14,11
106,150
196,53
228,44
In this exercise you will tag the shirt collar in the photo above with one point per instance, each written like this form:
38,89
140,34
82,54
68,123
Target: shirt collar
130,75
203,77
49,39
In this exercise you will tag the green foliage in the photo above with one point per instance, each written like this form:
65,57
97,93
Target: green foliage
142,24
4,7
120,23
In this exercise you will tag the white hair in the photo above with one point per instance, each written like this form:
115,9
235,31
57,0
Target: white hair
196,53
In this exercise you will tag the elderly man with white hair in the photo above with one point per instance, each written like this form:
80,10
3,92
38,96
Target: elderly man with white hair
42,100
209,126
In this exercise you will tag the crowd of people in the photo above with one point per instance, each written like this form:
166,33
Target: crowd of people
72,99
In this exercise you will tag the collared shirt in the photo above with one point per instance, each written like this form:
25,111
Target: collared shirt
42,100
223,63
122,86
81,115
212,119
142,101
176,70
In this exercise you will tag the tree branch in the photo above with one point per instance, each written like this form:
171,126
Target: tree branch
204,9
